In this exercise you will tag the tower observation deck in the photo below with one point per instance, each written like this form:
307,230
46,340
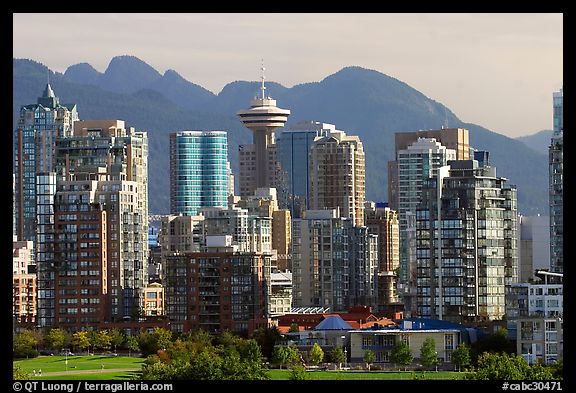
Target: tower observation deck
263,118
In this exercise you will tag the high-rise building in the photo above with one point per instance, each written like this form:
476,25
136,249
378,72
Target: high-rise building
23,283
81,251
337,175
456,139
265,204
334,263
181,234
294,146
117,158
533,246
258,162
463,269
45,257
383,221
417,162
109,144
34,151
198,171
556,167
217,290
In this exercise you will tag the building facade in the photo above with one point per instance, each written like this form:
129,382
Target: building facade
383,222
293,145
337,175
556,165
217,290
34,151
24,283
199,173
456,139
462,271
334,263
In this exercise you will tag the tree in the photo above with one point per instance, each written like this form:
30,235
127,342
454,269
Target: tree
337,355
267,339
56,338
294,328
461,356
93,338
249,351
369,357
103,340
116,338
298,373
316,354
132,344
280,355
428,354
401,354
25,344
163,338
18,374
81,340
502,366
495,343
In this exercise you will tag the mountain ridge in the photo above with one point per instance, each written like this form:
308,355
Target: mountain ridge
359,101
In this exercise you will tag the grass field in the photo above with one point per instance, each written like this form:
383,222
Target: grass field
369,375
103,376
127,368
54,367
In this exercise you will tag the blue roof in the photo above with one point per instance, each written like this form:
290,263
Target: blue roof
333,322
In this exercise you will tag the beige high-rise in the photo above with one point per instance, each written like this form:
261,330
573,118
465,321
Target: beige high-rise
337,175
452,138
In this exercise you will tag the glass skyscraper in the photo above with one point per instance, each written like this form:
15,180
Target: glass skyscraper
556,163
294,155
198,171
34,149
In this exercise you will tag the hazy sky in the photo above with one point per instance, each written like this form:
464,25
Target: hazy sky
495,70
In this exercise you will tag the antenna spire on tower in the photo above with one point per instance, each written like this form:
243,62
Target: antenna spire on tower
263,77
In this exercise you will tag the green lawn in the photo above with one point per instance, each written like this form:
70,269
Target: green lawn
49,364
351,375
123,375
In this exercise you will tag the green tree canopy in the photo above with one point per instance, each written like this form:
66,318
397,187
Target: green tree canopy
267,338
502,366
117,338
132,344
56,338
337,355
369,357
316,354
428,355
18,374
401,354
461,356
81,340
25,344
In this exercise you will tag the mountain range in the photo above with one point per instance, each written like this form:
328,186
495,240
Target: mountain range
356,100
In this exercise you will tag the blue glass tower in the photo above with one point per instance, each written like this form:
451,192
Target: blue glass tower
198,171
294,156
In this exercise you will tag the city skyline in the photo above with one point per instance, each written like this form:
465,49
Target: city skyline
475,64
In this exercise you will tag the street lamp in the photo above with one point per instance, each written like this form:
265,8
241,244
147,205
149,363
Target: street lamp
345,357
436,361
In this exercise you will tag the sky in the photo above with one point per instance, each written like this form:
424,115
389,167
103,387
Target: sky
497,70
